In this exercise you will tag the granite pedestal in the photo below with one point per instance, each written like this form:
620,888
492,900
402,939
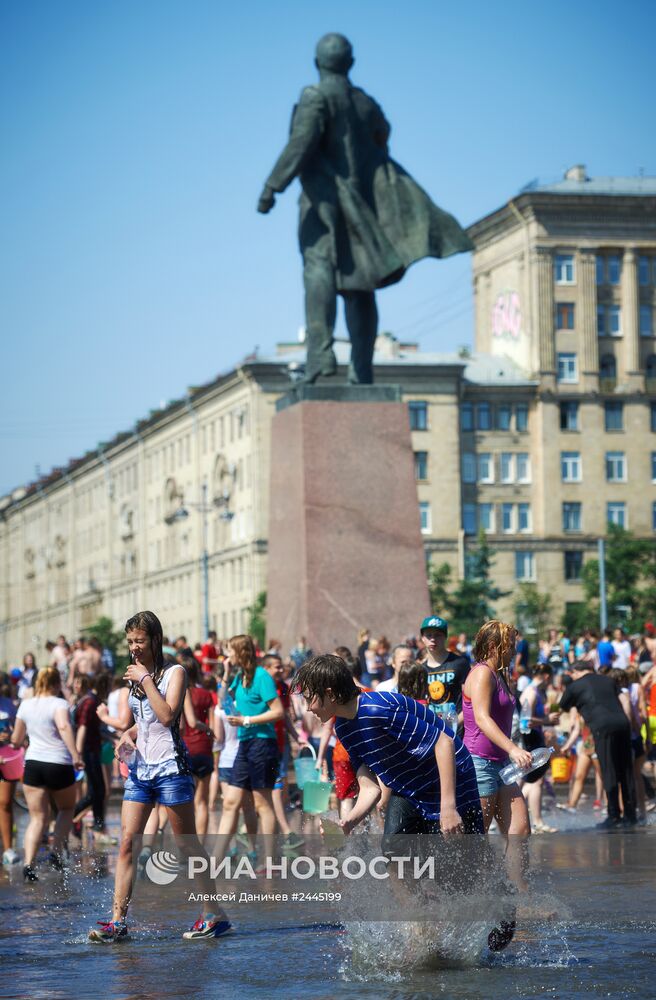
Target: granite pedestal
345,547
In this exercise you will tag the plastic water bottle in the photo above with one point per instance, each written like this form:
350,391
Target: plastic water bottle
4,722
228,705
450,716
512,772
126,753
525,720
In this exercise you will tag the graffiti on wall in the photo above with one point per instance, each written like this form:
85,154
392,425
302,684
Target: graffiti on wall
507,316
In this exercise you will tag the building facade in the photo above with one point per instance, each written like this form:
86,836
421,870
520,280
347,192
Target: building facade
540,439
565,286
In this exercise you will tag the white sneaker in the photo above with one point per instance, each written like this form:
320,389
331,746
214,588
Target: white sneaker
10,857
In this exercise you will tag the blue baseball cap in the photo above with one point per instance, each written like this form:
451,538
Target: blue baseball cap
434,621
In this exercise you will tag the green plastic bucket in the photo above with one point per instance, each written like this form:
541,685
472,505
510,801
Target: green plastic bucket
316,796
305,767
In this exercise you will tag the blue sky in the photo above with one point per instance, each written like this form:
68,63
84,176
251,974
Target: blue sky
136,136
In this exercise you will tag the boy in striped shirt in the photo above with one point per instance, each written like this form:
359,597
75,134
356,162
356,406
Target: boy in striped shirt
400,741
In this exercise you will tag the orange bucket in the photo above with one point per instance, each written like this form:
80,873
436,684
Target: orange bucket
561,769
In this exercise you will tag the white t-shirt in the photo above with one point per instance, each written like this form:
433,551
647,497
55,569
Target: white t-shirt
230,743
46,744
523,683
160,750
391,685
622,649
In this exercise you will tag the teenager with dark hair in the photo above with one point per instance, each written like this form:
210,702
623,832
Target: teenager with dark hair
403,743
159,772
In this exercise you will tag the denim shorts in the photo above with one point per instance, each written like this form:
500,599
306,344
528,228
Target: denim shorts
487,775
167,789
225,774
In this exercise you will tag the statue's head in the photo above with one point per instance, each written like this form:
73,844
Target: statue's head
334,53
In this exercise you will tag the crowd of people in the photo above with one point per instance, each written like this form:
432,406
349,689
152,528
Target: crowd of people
420,732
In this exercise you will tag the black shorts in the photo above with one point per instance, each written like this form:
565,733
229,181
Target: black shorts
202,764
256,764
637,746
42,774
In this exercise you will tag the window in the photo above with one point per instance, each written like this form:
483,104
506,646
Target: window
524,517
486,517
483,417
418,415
564,269
650,367
523,460
601,321
616,514
653,466
653,516
615,467
570,466
469,518
524,566
565,316
421,465
425,517
569,416
614,321
571,517
485,468
466,417
503,417
568,370
652,417
601,270
507,467
468,467
507,518
646,326
613,269
608,367
643,270
614,416
573,566
521,417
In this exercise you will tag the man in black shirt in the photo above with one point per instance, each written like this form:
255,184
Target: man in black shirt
595,697
447,671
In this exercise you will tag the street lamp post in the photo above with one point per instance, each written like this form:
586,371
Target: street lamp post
205,564
204,508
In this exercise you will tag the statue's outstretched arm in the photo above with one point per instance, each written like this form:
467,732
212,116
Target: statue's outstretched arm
306,131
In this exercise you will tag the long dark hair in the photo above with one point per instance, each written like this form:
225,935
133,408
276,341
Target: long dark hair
243,652
149,623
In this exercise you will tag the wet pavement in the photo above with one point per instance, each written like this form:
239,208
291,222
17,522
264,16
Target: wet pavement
587,929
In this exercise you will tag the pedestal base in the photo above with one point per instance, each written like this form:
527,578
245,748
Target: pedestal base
345,548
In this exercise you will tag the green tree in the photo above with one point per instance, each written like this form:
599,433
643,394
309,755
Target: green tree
533,609
630,565
257,619
439,579
109,638
472,601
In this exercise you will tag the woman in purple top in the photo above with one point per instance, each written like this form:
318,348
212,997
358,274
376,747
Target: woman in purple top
487,707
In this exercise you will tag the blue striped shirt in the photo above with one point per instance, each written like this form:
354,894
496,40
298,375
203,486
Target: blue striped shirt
395,737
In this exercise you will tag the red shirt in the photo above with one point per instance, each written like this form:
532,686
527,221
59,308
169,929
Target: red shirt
281,726
196,740
208,652
85,715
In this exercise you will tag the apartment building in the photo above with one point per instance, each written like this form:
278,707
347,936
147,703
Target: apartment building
542,437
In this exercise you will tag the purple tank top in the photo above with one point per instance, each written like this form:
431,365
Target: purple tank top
502,707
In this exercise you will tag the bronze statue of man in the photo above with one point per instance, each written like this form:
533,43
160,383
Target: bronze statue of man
363,220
